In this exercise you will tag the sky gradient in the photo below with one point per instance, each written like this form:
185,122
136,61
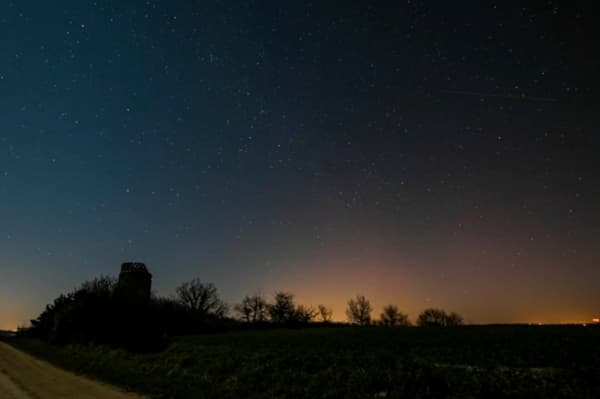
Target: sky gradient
419,154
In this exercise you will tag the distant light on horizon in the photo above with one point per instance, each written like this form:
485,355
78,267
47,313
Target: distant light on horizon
596,320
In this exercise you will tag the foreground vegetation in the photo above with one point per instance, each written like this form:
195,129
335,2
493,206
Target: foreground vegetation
352,362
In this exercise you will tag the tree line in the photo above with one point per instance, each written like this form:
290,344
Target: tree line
92,313
283,310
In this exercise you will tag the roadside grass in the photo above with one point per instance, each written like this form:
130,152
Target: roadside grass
342,362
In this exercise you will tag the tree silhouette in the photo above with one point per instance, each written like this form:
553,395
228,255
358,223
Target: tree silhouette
103,285
392,317
95,313
438,318
252,309
359,311
201,298
304,314
283,308
325,313
454,319
85,314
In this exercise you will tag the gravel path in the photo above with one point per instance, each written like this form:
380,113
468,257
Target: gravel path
25,377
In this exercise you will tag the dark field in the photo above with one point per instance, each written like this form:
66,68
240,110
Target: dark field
343,362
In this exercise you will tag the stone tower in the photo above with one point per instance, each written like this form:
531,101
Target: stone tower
135,283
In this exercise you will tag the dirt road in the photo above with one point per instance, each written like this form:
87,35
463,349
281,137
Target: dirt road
25,377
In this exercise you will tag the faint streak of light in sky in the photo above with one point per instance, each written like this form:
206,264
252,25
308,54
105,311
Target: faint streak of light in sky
508,96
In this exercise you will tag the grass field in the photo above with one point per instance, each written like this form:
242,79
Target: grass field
343,362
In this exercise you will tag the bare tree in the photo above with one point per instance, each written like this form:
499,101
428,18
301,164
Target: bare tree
431,317
438,318
325,313
359,311
252,308
305,314
392,317
202,298
244,309
283,308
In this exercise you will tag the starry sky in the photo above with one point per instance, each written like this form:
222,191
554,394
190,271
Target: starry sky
420,153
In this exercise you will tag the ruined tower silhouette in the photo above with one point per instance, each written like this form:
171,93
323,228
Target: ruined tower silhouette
135,283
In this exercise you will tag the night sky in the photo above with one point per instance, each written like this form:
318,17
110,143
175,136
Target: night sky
425,154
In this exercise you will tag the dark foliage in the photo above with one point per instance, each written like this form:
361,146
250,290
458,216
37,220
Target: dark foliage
86,314
359,311
439,318
93,313
253,309
283,311
99,312
392,317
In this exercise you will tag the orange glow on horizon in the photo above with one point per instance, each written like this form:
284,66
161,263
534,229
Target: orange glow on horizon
596,320
8,326
388,274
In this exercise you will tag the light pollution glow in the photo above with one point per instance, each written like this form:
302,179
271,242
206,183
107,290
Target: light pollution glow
475,272
474,277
